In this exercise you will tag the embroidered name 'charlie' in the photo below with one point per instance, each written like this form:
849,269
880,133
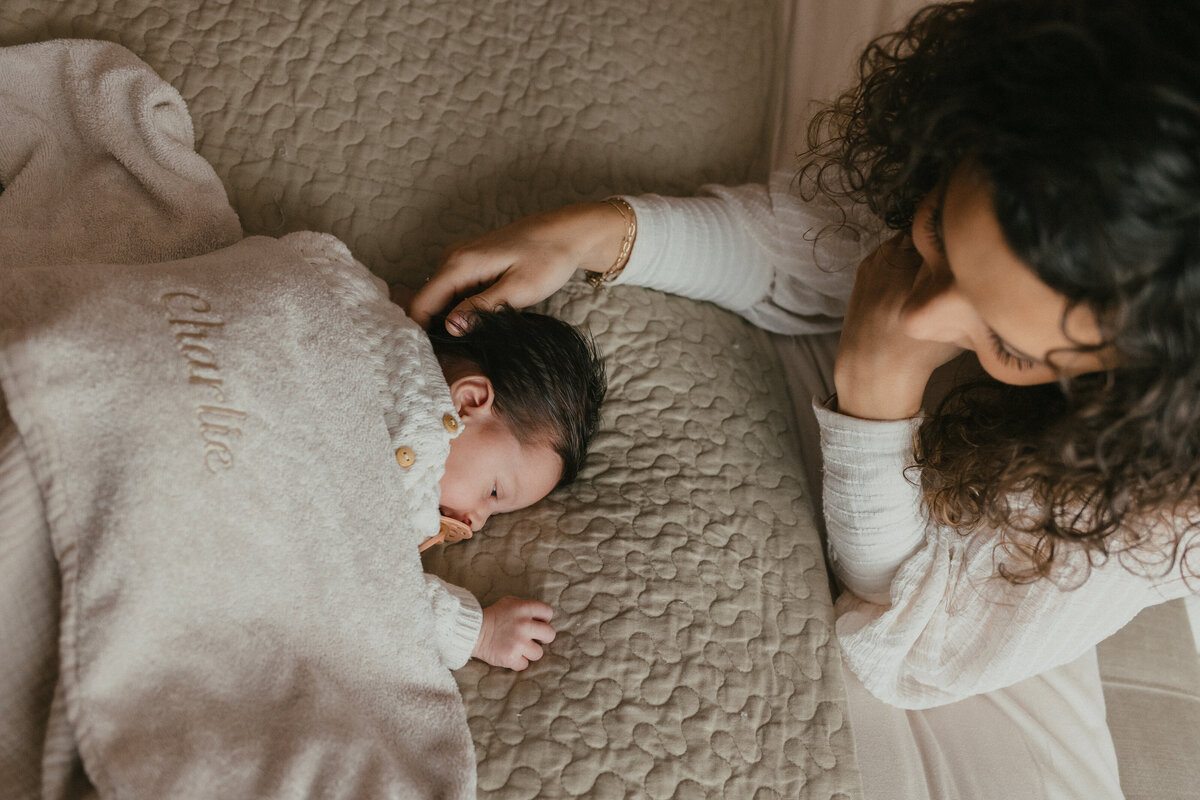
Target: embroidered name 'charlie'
192,322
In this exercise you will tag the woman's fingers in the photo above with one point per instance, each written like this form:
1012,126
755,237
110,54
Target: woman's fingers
880,372
513,288
454,277
520,264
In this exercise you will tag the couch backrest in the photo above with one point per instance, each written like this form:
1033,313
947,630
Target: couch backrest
401,127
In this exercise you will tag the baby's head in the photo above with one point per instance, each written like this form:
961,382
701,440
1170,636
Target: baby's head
528,389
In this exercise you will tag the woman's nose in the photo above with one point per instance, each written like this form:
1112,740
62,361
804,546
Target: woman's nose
935,311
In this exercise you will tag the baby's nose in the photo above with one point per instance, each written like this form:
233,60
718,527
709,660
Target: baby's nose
472,519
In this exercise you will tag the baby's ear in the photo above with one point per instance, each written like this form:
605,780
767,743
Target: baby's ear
473,395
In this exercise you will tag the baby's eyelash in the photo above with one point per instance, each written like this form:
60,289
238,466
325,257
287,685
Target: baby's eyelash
1006,357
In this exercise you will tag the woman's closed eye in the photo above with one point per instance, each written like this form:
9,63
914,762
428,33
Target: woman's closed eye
1008,357
933,226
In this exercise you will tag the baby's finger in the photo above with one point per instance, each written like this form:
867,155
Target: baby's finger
533,651
541,632
539,610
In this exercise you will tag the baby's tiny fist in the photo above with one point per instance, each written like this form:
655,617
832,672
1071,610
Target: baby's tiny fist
513,632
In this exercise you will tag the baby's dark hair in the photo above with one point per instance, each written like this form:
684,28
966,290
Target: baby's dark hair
548,377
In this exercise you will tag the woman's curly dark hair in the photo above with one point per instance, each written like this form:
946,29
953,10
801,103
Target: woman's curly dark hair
1085,117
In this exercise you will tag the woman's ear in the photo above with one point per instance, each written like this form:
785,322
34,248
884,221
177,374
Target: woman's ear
472,395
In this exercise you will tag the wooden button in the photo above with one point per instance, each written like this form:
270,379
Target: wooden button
405,457
450,423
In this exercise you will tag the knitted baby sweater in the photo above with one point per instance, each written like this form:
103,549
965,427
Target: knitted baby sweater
416,389
927,618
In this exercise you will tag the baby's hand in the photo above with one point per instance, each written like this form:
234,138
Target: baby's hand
512,628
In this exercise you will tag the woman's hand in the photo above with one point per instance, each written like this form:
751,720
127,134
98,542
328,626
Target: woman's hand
513,632
520,264
881,372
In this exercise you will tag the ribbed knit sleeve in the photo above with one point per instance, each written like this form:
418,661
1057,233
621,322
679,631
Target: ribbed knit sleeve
457,618
784,263
927,617
872,511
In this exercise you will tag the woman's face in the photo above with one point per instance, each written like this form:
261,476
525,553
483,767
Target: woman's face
974,292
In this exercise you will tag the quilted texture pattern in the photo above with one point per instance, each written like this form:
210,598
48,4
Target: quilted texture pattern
403,126
695,654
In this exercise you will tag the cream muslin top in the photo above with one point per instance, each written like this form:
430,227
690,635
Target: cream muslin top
927,618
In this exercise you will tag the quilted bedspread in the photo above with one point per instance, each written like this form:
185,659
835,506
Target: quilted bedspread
695,655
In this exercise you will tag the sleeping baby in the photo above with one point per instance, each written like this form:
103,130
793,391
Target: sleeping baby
224,454
527,390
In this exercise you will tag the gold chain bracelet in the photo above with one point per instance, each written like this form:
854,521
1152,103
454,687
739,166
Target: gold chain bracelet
598,279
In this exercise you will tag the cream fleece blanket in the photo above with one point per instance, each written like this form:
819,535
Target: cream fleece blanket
97,164
213,438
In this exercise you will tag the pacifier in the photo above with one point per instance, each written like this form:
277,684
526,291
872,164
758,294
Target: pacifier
450,531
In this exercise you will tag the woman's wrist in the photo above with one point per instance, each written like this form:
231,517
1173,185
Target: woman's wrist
598,278
597,229
878,394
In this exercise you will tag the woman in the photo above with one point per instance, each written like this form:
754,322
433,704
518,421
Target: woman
1038,165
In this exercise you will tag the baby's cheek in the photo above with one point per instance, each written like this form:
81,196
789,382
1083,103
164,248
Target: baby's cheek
454,475
445,487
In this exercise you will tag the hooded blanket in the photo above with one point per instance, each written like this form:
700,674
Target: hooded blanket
212,431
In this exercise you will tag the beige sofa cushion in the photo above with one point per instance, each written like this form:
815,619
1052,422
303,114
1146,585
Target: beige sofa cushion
403,126
1151,676
695,654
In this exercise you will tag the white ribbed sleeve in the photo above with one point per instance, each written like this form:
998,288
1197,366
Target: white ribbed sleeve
928,619
869,501
785,264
